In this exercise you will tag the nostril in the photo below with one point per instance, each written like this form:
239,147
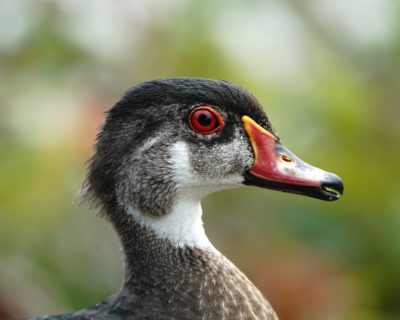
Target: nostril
286,158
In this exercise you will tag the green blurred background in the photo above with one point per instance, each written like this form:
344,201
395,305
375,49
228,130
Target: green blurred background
327,73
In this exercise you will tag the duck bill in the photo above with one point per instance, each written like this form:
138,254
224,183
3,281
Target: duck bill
275,167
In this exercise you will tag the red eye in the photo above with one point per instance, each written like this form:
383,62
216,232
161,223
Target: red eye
205,120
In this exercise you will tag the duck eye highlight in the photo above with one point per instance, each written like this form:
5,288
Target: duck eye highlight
205,120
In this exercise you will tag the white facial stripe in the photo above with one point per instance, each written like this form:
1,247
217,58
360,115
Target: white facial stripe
180,160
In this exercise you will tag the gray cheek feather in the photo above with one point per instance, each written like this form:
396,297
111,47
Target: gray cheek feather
146,182
222,160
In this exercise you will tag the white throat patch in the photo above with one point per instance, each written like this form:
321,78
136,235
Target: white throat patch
182,226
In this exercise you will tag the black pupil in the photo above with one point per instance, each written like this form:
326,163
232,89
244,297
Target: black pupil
204,119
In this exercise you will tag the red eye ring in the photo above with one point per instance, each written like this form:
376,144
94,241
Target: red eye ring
205,120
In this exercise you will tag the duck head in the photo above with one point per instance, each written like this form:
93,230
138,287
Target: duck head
168,143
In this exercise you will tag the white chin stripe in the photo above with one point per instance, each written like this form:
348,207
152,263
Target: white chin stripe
182,226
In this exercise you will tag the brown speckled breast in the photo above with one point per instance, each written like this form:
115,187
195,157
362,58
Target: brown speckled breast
165,282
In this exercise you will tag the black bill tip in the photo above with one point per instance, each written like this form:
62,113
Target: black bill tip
332,188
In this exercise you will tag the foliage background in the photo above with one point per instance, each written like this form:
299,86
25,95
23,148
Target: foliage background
327,73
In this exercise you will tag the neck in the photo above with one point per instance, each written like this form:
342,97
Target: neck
171,268
150,241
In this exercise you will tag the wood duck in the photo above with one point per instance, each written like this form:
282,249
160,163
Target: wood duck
164,146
